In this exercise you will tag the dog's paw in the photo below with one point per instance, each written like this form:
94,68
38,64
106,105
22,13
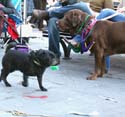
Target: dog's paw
24,84
8,85
91,78
43,89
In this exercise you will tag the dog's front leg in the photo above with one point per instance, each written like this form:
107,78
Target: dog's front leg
39,78
25,80
98,63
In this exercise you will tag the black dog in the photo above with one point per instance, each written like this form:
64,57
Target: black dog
31,63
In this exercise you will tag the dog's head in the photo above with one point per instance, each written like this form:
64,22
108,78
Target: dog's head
43,58
71,21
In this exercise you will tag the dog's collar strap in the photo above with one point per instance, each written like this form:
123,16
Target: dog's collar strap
88,29
83,23
37,62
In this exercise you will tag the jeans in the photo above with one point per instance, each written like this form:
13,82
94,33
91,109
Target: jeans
53,31
107,12
54,36
59,13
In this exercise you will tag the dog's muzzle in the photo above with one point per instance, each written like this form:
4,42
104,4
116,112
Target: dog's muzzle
55,61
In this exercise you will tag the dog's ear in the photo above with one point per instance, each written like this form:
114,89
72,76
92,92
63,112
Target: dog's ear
33,54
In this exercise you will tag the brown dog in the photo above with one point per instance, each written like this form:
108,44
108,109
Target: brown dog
109,37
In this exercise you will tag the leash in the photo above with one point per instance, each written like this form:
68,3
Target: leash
111,16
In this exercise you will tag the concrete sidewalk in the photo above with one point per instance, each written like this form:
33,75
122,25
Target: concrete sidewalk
68,90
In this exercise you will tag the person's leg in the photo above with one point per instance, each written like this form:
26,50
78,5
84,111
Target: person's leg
107,62
43,4
36,4
54,38
60,11
108,12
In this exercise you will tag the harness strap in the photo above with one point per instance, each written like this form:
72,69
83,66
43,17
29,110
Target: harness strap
83,23
37,63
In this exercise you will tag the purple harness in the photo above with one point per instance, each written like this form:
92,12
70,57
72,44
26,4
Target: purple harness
22,48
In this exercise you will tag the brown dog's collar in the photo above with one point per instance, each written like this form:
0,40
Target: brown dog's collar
83,24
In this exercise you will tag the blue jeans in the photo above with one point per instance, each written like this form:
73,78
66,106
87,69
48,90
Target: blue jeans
107,12
54,36
59,13
53,31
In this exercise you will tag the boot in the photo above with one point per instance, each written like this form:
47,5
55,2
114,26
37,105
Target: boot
40,14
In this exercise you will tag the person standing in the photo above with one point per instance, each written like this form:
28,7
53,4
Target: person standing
40,4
